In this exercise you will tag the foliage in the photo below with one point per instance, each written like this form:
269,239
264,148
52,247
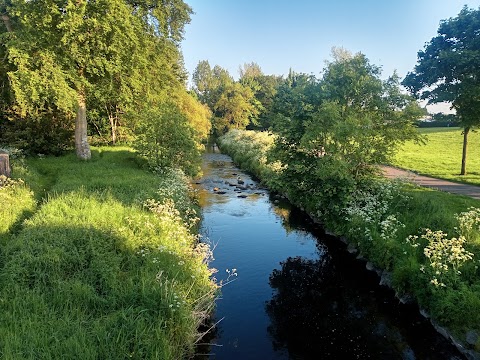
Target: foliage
99,270
448,69
249,149
440,120
209,82
197,114
109,56
44,133
334,131
233,104
264,88
166,139
234,109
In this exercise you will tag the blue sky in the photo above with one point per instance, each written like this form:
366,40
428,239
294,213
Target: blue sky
299,34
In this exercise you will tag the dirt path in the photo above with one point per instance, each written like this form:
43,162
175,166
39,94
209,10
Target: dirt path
439,184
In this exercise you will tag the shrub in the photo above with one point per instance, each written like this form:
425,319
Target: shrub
49,133
165,139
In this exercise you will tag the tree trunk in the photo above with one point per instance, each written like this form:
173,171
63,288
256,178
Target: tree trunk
113,126
6,22
463,171
113,119
81,140
5,165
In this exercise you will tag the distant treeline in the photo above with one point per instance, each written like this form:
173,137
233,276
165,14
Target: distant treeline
440,120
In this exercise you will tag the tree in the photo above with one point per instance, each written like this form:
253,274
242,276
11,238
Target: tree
166,139
61,50
233,105
296,100
210,82
362,118
448,70
234,109
264,88
197,114
334,131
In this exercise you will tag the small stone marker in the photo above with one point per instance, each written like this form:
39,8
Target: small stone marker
4,165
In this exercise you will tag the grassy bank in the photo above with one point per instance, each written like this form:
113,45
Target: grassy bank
427,241
100,260
441,155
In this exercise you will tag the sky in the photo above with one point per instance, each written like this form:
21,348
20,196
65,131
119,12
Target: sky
280,35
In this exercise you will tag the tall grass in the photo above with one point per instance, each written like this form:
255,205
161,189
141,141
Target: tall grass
107,268
441,155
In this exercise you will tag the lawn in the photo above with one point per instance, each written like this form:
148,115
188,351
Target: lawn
441,155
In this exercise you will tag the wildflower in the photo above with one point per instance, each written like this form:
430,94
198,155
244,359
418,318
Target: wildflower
445,255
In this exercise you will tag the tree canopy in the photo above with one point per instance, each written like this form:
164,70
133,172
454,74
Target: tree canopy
448,69
109,54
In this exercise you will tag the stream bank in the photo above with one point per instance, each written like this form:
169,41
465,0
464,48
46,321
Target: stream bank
299,293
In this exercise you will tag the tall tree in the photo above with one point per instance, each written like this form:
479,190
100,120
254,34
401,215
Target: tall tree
448,69
210,82
234,109
350,116
62,49
264,88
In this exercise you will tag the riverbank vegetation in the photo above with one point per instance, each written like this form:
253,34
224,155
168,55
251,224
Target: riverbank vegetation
99,258
440,156
428,242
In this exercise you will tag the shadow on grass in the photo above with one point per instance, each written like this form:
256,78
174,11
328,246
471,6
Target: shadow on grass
70,290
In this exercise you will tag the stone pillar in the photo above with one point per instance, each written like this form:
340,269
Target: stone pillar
4,164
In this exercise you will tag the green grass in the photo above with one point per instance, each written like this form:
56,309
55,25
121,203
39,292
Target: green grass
94,272
441,156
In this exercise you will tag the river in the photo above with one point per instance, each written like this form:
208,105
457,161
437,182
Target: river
298,293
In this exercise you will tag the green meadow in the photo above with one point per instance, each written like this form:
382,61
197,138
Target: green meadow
441,155
99,260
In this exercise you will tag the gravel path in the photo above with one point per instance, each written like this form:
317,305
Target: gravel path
472,191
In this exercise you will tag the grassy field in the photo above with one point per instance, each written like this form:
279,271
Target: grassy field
441,156
98,261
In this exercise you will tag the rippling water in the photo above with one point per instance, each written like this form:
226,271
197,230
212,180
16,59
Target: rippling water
298,294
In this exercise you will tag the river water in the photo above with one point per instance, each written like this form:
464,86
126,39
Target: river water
298,293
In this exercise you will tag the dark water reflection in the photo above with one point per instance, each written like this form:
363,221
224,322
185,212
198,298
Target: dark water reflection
299,294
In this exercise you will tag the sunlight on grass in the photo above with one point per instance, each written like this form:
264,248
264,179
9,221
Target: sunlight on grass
441,156
107,267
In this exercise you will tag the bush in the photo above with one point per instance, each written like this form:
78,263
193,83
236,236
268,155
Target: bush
165,139
49,133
